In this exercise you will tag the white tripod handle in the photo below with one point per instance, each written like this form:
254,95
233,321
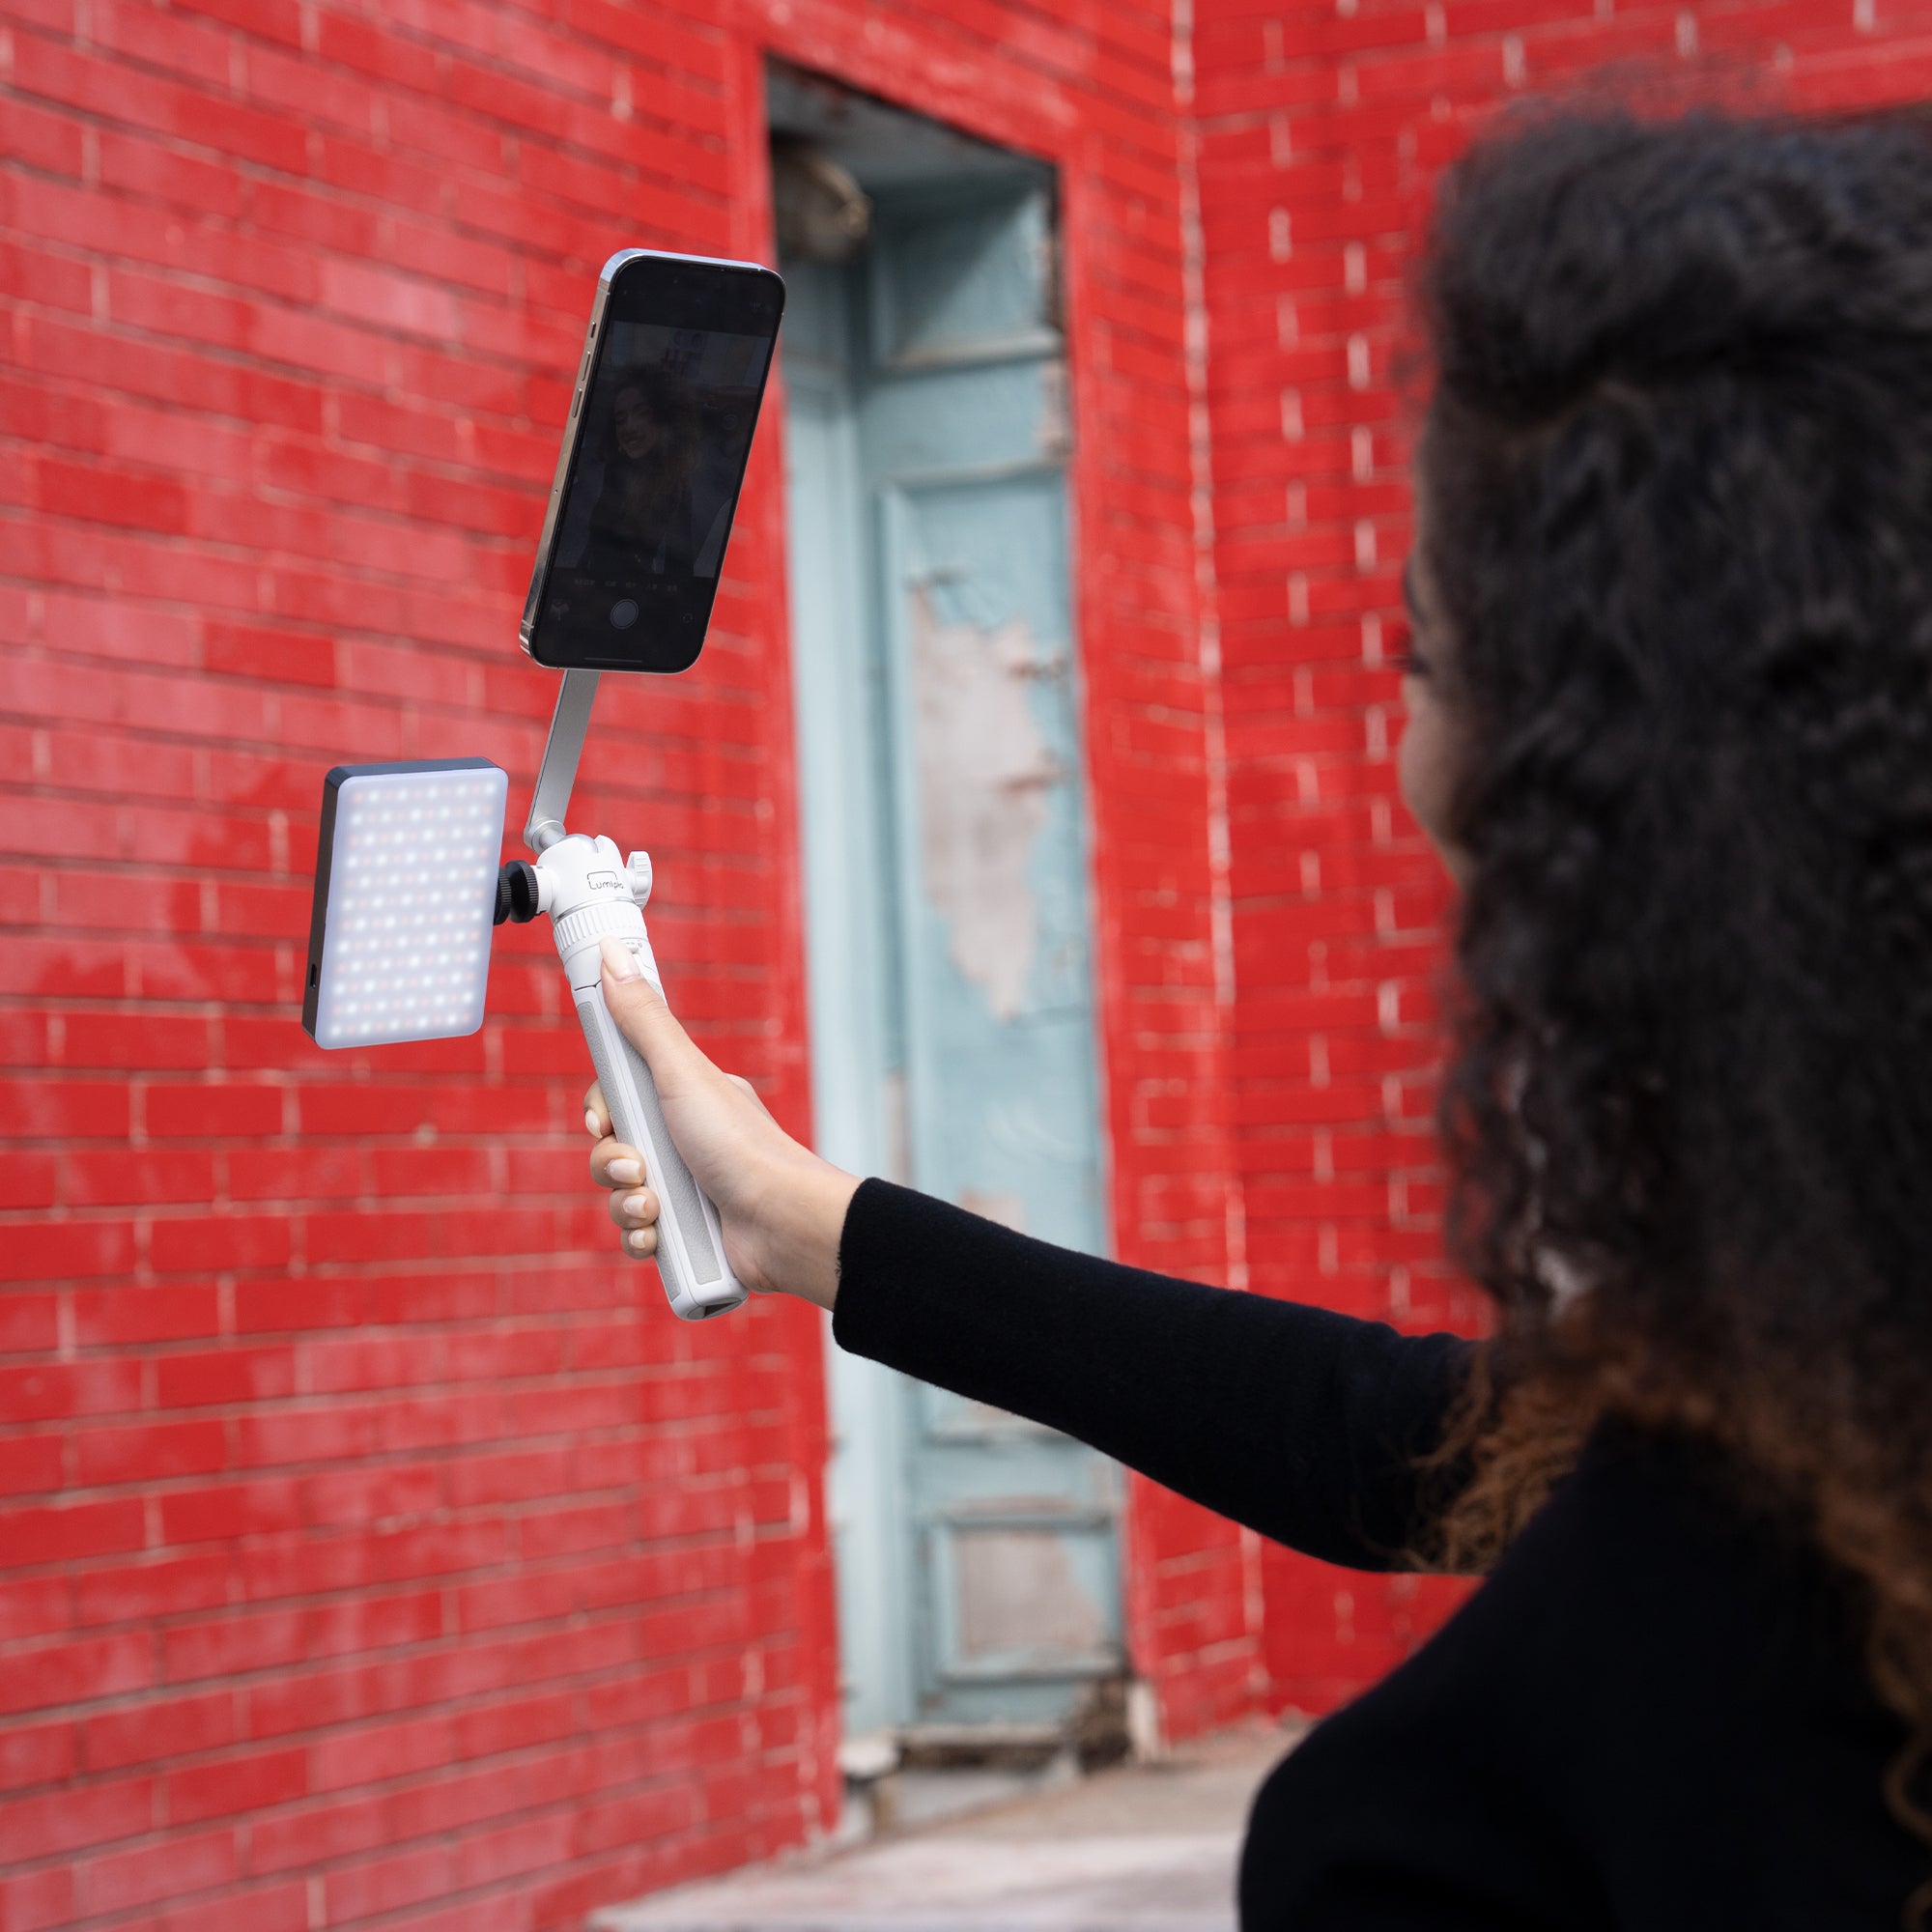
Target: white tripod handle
589,898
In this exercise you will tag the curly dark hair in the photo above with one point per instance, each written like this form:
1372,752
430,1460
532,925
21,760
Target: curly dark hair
1677,482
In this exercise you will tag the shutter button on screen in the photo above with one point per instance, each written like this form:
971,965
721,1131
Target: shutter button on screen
623,613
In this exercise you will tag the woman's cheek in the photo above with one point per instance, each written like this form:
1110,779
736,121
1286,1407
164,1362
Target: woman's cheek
1423,765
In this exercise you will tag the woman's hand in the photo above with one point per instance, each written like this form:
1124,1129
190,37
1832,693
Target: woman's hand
783,1209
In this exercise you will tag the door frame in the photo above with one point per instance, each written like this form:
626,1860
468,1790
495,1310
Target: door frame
875,1416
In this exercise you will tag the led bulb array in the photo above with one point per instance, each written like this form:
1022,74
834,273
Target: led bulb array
405,899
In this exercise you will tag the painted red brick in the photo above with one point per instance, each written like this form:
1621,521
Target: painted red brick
373,1543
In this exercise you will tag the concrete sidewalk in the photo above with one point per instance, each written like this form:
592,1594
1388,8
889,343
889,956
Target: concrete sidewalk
1146,1848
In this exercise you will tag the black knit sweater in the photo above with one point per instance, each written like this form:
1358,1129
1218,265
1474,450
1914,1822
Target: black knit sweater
1652,1715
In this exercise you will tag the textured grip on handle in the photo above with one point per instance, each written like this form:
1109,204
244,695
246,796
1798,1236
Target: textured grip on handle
690,1244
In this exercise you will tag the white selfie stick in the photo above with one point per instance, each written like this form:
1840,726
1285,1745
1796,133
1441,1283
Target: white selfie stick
590,894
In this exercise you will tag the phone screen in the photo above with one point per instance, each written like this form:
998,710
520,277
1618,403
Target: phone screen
677,372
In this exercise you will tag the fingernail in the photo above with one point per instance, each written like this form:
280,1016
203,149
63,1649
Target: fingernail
625,1172
619,961
638,1238
592,1126
634,1205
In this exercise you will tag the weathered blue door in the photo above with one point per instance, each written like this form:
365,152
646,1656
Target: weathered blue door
946,873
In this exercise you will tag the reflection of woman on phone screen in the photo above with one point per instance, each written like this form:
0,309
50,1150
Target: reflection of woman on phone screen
640,524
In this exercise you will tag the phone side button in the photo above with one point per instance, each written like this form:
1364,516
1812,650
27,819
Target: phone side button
574,401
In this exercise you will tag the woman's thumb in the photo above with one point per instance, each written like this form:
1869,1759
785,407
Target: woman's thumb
641,1013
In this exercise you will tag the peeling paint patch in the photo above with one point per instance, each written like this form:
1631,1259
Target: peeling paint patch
1053,434
984,772
1018,1594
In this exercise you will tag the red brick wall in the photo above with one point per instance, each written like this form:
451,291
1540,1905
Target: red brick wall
375,1546
375,1542
1322,125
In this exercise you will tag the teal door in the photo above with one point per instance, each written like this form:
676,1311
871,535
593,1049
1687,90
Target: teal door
945,874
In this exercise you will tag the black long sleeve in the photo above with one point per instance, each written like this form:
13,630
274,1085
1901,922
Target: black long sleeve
1653,1716
1303,1424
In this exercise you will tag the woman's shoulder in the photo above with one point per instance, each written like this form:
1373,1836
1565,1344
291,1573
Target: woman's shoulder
1653,1607
1654,1697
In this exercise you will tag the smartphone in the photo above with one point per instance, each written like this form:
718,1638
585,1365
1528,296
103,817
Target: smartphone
667,398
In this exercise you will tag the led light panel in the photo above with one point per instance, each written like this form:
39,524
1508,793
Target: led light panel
405,895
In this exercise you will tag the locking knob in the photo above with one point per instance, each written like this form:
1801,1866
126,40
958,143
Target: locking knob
638,874
519,896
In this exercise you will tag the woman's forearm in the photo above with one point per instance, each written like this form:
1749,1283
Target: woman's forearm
1301,1423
